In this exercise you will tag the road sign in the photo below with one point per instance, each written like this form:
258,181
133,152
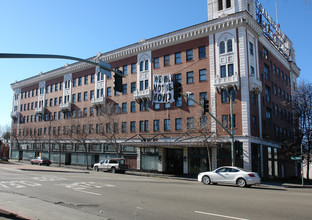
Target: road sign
295,158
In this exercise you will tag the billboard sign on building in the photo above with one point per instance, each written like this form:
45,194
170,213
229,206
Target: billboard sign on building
163,89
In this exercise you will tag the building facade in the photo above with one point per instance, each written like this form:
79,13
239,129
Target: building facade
72,112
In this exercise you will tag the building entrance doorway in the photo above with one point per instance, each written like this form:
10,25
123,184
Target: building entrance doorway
174,161
68,159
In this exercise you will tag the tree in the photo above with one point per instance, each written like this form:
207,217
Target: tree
79,133
109,119
302,110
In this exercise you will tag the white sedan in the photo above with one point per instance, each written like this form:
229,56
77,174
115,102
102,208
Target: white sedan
230,175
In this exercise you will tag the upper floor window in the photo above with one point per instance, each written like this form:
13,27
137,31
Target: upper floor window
125,70
266,72
156,62
146,64
228,3
141,66
202,52
229,46
265,53
166,60
202,75
222,47
177,58
133,87
251,48
178,77
133,68
220,5
189,55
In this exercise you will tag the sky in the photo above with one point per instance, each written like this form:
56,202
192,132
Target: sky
82,28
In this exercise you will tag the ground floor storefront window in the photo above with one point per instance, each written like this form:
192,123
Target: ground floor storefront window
149,158
198,160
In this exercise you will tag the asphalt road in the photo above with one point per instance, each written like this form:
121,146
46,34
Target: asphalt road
49,193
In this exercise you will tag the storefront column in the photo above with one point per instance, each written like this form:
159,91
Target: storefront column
261,159
162,160
247,155
138,158
185,160
214,158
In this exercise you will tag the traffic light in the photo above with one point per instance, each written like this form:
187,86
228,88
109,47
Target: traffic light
206,106
118,81
177,89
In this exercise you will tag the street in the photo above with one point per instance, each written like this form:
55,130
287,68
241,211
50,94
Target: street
40,192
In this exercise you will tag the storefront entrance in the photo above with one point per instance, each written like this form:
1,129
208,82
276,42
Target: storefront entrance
174,161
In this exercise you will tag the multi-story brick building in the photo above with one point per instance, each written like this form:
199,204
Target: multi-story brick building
239,51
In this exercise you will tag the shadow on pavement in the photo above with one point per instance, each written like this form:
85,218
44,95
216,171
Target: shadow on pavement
56,171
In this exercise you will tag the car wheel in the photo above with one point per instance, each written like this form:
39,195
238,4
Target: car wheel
206,180
96,169
241,182
31,163
40,164
113,170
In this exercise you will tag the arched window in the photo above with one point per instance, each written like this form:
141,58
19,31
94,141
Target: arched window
141,66
146,64
229,46
222,47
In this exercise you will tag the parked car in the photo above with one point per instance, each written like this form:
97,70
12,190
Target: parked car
230,175
114,165
41,161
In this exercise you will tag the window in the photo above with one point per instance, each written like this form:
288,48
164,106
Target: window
132,126
189,77
177,58
141,126
133,107
223,71
178,77
116,107
109,91
167,105
91,94
133,87
178,103
85,111
254,122
156,106
141,85
230,70
224,96
204,122
251,48
229,46
85,96
133,68
268,94
124,107
124,89
92,78
222,47
146,65
220,5
146,84
201,52
189,101
91,111
86,78
266,72
225,120
51,103
74,82
265,53
108,128
167,125
202,75
228,3
56,86
156,62
79,97
268,115
51,88
178,124
166,60
79,81
124,127
146,125
156,125
190,123
141,66
252,70
125,70
189,55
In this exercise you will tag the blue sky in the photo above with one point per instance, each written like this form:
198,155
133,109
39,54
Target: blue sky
83,28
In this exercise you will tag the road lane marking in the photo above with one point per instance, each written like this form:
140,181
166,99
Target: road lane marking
222,216
92,193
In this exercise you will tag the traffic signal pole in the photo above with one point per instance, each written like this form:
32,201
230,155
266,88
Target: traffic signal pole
231,133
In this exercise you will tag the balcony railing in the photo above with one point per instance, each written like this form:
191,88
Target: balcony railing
142,95
227,82
65,107
98,101
255,85
39,110
15,115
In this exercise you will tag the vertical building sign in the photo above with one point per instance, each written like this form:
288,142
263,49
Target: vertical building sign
163,89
